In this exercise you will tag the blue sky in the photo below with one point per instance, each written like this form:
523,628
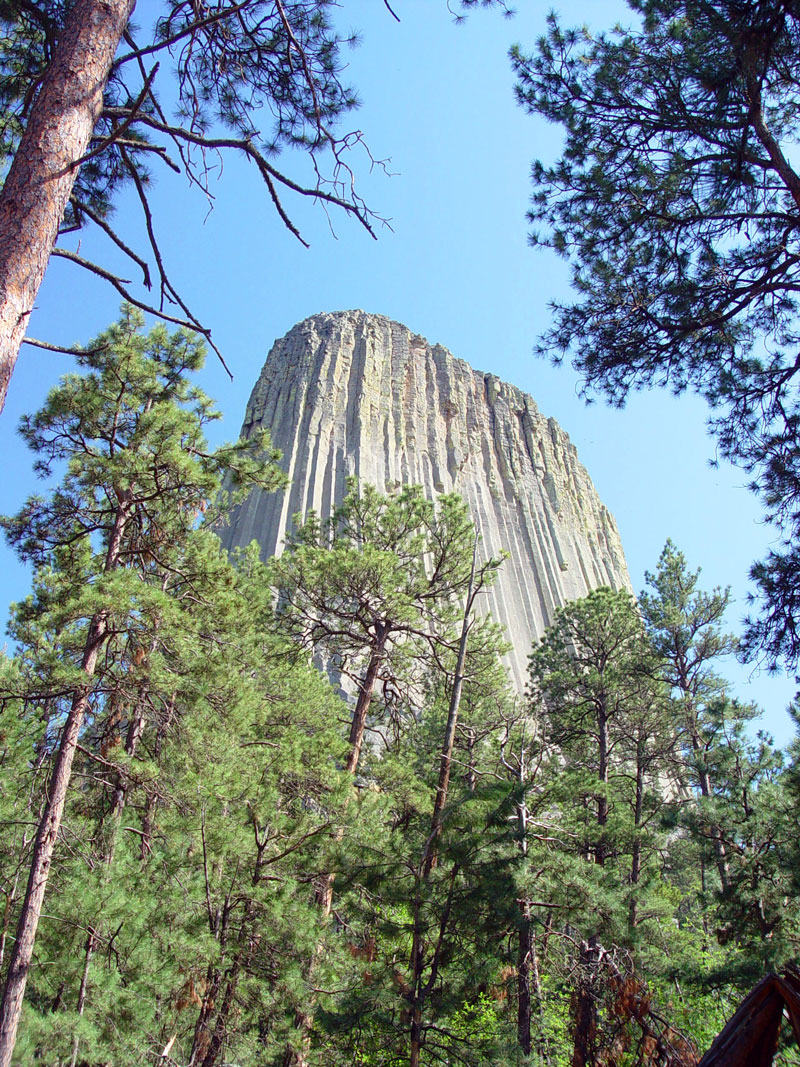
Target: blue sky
437,105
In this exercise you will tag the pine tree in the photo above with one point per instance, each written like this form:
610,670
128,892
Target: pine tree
677,201
138,475
376,589
383,594
685,625
430,910
606,746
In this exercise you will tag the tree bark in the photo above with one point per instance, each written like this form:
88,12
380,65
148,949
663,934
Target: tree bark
365,691
603,768
525,941
524,961
584,1009
37,189
303,1020
446,756
638,811
91,942
49,827
429,857
416,1038
43,850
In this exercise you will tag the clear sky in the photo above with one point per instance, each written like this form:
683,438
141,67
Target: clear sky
437,104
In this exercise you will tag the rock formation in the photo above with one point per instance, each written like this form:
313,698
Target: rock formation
357,394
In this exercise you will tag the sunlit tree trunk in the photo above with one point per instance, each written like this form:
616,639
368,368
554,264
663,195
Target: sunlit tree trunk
40,179
420,990
49,828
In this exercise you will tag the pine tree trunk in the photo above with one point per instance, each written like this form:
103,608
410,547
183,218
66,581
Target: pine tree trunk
602,773
216,1038
43,850
49,827
525,942
119,798
446,756
542,1047
636,856
150,803
365,691
298,1057
416,1038
524,961
91,942
219,1034
429,857
584,1010
40,179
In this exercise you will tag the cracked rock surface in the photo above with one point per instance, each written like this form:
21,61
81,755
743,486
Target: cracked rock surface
350,393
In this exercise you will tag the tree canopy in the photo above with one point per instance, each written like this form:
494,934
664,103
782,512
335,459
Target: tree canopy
109,545
232,876
677,203
89,103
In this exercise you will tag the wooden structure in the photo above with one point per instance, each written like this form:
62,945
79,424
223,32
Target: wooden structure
750,1038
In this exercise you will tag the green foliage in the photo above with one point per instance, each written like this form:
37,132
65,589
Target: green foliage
380,582
236,878
118,539
607,743
678,205
660,839
735,808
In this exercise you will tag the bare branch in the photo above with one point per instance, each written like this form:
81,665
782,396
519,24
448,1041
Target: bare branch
59,348
156,149
122,127
99,221
219,16
119,285
254,154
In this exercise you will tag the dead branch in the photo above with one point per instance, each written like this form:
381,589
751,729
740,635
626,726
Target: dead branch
82,208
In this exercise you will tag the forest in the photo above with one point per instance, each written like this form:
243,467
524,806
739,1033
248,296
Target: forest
243,866
290,811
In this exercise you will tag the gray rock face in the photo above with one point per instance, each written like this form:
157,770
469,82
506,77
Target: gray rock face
357,394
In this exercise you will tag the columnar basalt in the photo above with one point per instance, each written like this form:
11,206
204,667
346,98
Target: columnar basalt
352,393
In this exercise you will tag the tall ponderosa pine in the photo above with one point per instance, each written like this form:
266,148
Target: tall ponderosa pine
383,592
430,892
607,743
677,201
735,806
138,477
84,110
376,590
685,626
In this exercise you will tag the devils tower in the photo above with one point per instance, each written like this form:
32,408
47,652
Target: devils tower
351,393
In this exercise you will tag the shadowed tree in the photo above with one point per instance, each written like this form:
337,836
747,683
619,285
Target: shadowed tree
677,202
608,745
138,477
376,593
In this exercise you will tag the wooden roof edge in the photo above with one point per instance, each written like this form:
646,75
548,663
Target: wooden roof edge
787,987
753,1001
